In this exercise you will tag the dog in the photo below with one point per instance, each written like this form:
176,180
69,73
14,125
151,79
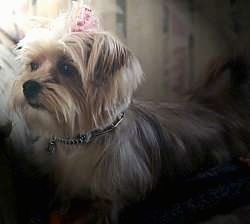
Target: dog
75,93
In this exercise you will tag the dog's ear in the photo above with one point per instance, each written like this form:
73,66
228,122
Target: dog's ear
107,56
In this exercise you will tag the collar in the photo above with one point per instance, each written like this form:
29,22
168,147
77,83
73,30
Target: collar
84,138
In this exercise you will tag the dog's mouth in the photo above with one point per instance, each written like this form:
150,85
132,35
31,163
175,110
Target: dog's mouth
34,103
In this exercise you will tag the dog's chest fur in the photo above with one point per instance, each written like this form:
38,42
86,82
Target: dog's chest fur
110,167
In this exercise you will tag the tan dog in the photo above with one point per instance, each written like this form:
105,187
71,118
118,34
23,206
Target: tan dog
75,94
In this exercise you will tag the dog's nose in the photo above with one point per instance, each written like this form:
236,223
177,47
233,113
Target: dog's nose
31,88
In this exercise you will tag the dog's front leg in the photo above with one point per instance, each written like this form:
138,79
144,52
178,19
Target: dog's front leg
99,211
104,211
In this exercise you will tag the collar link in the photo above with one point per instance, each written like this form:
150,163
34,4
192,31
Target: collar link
86,138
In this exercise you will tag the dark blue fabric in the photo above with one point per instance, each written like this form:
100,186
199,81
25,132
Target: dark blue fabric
216,191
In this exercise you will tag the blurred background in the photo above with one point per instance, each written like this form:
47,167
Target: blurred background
173,39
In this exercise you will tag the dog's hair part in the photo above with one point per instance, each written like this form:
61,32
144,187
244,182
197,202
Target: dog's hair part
83,81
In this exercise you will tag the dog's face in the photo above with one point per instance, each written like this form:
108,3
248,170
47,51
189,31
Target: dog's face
72,84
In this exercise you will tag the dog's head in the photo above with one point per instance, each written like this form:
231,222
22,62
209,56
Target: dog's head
75,83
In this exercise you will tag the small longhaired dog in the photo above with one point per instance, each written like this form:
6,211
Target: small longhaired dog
75,94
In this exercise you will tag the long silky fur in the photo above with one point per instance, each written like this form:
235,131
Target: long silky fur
208,126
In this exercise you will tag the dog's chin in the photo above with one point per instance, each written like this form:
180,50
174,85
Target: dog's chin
39,120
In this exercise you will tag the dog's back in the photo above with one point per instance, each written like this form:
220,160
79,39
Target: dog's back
208,126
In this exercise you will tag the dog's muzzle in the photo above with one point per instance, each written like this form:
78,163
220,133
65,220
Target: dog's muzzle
31,90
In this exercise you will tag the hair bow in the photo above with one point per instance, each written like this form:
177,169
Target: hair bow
86,20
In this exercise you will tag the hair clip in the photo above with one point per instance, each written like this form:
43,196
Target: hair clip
85,21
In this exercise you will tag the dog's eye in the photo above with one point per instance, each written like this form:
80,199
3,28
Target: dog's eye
66,69
34,66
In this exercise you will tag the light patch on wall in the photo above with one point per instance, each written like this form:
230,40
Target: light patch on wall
12,7
165,17
121,22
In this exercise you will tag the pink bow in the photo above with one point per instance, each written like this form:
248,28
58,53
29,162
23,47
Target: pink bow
86,21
